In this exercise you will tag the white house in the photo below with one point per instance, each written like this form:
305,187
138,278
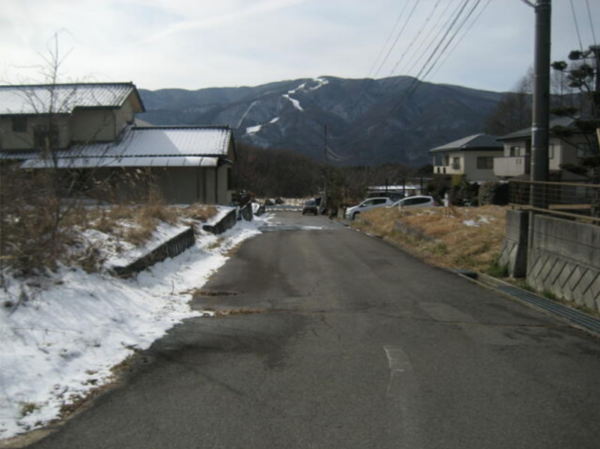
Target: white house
516,158
471,156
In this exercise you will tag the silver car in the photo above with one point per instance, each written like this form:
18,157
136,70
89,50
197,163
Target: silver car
416,201
371,203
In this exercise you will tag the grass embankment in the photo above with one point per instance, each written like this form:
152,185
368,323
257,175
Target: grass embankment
136,224
33,240
455,237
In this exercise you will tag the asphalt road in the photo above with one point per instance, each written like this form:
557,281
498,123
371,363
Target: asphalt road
350,344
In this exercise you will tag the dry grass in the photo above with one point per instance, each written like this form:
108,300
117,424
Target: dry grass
199,212
450,243
32,239
146,218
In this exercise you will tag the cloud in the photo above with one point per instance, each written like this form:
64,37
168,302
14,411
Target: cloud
193,44
225,18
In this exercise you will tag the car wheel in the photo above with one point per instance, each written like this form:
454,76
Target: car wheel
316,213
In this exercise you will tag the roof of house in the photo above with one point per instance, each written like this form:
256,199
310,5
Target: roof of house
64,98
474,142
177,146
526,132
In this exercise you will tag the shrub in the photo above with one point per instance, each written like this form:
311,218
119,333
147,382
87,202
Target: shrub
495,193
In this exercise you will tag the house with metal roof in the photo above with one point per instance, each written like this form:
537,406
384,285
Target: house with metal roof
90,132
472,157
516,158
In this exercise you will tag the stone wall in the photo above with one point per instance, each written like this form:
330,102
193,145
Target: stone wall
564,259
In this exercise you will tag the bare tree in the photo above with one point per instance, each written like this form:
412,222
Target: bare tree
37,205
514,109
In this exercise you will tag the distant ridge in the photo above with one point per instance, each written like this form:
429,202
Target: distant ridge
290,114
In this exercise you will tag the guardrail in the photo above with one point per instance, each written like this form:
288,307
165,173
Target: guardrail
563,199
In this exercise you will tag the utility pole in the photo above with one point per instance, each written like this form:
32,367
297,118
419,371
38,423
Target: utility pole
596,98
541,100
326,164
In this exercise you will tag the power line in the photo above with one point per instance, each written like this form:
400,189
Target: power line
440,31
425,69
576,25
389,38
591,22
416,36
334,156
365,84
461,38
426,38
435,50
397,37
462,24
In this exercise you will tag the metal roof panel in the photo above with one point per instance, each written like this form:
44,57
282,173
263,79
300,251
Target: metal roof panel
61,98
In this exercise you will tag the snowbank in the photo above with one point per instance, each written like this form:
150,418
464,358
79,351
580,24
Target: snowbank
60,336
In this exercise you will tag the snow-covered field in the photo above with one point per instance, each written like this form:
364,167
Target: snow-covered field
61,334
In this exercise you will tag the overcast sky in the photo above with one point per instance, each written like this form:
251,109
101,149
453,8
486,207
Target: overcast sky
194,44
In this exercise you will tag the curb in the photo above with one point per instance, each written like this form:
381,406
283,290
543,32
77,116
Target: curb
566,314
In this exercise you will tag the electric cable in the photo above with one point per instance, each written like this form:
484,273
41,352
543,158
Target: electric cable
576,25
416,36
417,81
461,38
591,22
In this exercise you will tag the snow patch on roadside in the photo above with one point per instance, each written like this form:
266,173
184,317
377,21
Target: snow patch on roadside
61,336
471,223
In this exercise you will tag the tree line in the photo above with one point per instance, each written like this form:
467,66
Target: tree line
270,172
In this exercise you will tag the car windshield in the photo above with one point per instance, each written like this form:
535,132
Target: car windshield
310,203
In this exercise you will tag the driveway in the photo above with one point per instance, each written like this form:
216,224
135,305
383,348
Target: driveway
329,338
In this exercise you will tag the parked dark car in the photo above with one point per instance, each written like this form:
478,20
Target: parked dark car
310,207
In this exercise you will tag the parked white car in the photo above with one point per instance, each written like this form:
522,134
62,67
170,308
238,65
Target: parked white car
416,201
368,204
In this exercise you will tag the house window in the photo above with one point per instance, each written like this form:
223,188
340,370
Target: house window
438,160
485,163
456,163
19,124
229,179
514,151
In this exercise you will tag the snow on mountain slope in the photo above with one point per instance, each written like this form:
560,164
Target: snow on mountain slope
435,114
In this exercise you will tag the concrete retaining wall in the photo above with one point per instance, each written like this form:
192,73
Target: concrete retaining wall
246,212
226,223
181,242
564,260
514,247
171,248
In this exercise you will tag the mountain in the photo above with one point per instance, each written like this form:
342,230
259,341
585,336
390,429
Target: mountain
360,128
